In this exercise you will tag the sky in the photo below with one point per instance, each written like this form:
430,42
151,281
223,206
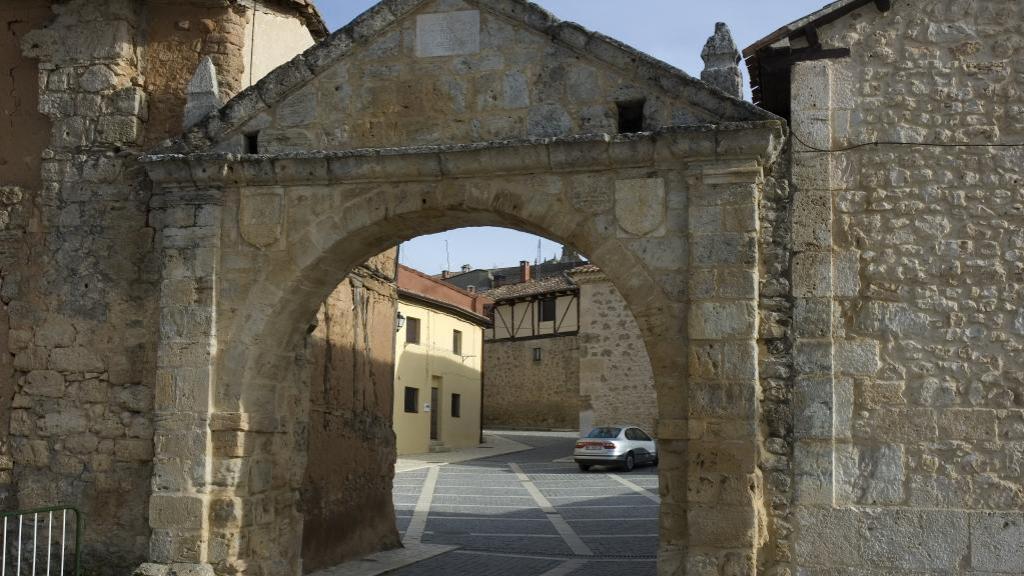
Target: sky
671,30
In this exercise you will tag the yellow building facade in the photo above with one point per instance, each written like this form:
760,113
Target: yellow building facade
438,366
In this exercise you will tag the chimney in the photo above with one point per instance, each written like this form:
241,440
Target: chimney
721,62
445,274
524,268
466,268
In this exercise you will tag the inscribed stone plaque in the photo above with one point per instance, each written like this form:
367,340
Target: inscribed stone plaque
640,207
260,216
448,33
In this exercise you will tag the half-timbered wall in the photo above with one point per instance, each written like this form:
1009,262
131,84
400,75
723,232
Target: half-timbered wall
522,319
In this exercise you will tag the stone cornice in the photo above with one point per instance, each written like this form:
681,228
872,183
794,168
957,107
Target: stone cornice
754,143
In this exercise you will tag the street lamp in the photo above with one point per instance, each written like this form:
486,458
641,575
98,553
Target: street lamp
399,321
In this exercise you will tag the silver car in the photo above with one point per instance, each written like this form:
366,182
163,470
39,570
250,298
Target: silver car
625,446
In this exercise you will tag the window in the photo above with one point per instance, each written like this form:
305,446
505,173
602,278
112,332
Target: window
536,354
412,400
457,342
546,310
456,405
637,434
412,330
252,143
631,116
606,433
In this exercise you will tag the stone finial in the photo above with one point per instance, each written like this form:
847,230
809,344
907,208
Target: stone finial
203,93
721,62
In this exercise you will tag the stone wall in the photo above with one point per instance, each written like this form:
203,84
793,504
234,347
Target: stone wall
83,300
909,396
177,38
615,379
22,140
26,131
494,86
346,496
78,279
522,393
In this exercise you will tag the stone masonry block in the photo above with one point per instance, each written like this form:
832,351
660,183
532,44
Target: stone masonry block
177,511
870,475
722,526
828,536
44,383
815,172
737,283
812,85
916,540
813,461
723,320
813,407
997,542
813,356
812,317
846,280
725,194
722,400
812,220
896,425
857,357
75,360
727,249
813,128
812,275
968,424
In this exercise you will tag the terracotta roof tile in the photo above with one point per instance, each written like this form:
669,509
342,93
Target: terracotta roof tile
532,288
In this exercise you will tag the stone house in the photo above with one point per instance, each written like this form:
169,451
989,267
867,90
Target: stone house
531,354
893,380
828,286
616,383
564,352
439,361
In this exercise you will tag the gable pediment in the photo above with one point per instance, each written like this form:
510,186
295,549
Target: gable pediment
432,72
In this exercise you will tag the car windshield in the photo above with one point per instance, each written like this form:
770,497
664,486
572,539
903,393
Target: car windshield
604,433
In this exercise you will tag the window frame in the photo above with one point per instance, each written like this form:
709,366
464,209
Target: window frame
547,304
415,400
412,336
457,342
456,405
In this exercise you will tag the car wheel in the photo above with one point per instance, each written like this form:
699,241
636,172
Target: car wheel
629,463
584,467
655,461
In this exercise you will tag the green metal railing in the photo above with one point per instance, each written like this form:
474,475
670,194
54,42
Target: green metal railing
59,555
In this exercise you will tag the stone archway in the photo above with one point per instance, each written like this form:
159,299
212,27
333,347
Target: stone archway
671,216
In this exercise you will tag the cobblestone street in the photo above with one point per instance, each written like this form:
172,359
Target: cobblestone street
531,513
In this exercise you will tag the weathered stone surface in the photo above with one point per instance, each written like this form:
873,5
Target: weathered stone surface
721,62
448,33
640,206
996,542
203,93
